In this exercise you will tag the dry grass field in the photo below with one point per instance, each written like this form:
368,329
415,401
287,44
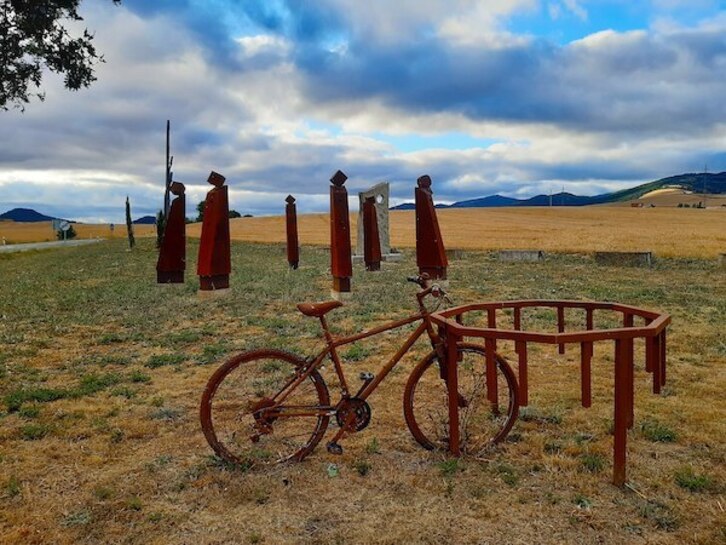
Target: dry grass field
668,232
17,233
101,372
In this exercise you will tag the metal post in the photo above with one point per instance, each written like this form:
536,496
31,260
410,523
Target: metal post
620,417
520,347
586,374
453,390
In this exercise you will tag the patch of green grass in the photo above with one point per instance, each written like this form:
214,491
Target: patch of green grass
372,447
531,414
657,432
30,411
12,487
356,352
660,514
33,432
79,518
166,413
593,462
111,338
124,391
139,376
162,360
552,447
507,474
14,400
93,383
134,503
449,467
582,502
691,481
363,467
103,492
212,353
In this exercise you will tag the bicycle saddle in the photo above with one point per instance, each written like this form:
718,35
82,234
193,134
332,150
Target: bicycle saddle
318,309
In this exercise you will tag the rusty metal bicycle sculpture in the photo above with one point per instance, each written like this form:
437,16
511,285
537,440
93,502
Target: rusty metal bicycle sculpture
267,406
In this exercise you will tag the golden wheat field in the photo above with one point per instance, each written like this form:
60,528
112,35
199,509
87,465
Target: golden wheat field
668,232
671,232
42,231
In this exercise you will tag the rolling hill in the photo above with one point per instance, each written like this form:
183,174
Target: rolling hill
703,182
25,215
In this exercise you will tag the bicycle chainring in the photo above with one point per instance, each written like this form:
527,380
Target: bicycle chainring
354,414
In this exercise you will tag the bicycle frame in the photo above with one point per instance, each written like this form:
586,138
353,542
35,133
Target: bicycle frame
330,350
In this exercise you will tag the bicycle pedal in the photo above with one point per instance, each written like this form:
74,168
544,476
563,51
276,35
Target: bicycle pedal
334,448
367,377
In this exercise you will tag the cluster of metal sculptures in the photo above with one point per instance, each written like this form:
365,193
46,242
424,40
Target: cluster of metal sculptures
213,263
373,240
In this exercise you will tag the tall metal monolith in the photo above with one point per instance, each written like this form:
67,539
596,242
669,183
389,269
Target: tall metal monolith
341,265
371,238
172,253
214,263
293,247
430,251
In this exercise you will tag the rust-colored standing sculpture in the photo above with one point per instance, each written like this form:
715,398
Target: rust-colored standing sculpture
430,251
213,266
340,260
172,252
371,238
293,247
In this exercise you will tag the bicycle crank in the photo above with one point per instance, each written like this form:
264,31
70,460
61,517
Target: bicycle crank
353,414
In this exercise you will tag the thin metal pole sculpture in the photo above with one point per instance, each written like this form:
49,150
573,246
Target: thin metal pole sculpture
430,251
341,264
293,247
129,224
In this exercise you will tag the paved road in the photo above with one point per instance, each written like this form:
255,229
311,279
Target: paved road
8,248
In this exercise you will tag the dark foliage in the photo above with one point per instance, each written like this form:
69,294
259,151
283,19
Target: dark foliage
33,38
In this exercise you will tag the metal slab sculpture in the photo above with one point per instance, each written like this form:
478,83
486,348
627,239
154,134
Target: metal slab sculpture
214,263
293,247
341,265
430,251
381,195
172,253
371,238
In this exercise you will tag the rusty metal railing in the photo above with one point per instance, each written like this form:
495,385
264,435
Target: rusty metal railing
652,330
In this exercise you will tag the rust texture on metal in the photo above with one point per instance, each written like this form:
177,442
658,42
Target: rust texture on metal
430,251
652,330
341,264
214,262
293,246
371,238
172,253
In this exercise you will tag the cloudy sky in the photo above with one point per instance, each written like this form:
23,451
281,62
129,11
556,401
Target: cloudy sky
516,97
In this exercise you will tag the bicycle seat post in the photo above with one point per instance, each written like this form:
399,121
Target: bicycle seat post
334,356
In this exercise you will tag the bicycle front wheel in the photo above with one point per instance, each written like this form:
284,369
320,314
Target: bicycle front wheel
245,418
482,421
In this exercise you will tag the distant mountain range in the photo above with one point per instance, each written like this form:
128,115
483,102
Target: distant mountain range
25,215
28,215
698,183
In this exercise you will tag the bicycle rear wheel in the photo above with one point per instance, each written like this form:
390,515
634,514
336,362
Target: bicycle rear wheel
481,422
243,419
